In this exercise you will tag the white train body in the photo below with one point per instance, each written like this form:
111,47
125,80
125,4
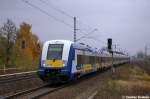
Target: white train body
62,60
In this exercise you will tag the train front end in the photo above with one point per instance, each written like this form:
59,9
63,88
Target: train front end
55,61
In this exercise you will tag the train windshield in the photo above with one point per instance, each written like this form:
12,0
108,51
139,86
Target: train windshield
55,51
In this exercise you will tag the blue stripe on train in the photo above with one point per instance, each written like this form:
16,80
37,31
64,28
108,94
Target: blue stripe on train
69,64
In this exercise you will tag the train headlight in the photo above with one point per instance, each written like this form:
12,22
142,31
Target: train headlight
43,63
64,63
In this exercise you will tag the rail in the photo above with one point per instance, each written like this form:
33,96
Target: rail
34,93
22,92
16,76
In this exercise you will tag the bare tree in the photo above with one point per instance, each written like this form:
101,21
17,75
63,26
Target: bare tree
8,34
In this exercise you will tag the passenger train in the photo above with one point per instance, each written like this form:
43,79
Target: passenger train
63,60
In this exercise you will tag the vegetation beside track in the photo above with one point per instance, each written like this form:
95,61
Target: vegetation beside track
128,80
19,48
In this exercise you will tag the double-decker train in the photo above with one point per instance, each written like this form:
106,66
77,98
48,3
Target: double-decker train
63,60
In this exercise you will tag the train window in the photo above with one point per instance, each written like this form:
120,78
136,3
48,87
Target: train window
97,59
91,59
79,59
103,59
100,59
86,59
55,51
83,59
94,58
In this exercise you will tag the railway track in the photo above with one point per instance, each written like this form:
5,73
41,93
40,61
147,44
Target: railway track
43,90
40,91
33,93
46,92
9,96
10,78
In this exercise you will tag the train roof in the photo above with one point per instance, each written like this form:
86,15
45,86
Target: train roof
82,46
79,46
59,41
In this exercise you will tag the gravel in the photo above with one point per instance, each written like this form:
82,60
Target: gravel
81,89
16,86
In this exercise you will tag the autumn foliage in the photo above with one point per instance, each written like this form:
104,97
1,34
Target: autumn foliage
25,48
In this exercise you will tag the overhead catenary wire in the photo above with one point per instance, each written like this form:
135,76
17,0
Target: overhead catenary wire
59,20
87,26
46,13
62,12
86,35
51,16
56,9
98,40
66,14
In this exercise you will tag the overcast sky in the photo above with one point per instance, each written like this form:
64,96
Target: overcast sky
127,22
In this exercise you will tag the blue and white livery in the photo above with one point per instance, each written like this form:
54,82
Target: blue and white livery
63,60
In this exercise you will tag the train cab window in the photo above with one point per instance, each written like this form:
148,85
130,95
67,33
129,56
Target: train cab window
55,51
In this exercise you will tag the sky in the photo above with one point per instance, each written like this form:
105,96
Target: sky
127,22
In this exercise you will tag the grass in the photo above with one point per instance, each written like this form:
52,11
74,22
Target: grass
128,80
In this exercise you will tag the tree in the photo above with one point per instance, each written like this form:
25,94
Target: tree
36,46
27,49
7,38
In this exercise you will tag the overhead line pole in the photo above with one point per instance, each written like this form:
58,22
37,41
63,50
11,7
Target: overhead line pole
145,52
74,29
